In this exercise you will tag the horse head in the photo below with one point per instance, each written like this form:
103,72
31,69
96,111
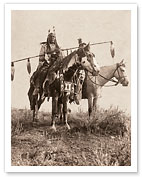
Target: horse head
87,47
120,73
88,61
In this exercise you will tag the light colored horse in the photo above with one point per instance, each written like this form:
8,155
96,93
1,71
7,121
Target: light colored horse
93,84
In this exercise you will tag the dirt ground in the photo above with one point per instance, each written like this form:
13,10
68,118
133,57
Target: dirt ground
86,144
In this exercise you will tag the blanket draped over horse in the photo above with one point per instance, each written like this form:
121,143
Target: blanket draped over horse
61,72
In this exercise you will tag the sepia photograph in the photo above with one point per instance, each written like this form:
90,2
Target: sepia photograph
71,87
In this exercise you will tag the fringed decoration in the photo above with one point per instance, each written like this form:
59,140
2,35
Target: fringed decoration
67,52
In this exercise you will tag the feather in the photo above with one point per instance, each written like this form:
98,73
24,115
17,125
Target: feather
28,66
112,50
48,31
12,71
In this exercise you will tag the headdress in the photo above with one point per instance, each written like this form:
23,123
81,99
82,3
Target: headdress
81,44
51,34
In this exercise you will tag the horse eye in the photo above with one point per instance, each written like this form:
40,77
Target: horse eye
89,55
83,62
122,70
89,59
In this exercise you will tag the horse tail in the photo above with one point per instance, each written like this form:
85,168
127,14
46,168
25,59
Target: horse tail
30,95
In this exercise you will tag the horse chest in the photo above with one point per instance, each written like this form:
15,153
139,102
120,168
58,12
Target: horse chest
91,90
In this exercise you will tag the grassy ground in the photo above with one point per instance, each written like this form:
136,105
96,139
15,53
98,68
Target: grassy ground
103,141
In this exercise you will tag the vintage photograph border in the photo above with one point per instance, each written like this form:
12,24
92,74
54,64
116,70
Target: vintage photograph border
133,167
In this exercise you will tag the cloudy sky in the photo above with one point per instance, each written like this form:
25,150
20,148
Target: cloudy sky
29,28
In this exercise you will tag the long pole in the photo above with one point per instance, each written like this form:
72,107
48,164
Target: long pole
97,43
26,58
61,49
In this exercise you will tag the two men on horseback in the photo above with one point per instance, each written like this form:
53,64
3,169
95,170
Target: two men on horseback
49,54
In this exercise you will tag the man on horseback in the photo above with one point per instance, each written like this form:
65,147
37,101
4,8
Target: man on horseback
81,44
49,53
78,85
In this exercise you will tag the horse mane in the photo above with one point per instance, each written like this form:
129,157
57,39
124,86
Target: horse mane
107,66
67,59
61,63
70,72
117,64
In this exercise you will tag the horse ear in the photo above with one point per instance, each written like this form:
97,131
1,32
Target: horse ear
122,61
87,47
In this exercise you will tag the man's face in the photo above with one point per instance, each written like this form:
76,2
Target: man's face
52,38
82,45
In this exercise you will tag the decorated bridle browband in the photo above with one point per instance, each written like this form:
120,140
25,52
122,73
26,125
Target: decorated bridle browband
79,53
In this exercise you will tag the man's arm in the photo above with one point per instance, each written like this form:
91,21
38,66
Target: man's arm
42,53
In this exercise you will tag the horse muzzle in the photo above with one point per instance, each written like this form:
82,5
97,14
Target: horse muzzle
95,73
125,83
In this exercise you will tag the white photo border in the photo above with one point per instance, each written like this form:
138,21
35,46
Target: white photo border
133,167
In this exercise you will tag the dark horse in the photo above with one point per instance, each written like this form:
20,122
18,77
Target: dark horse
60,89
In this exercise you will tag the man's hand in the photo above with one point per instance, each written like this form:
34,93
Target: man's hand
57,50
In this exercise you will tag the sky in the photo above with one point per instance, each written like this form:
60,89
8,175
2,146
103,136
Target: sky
29,28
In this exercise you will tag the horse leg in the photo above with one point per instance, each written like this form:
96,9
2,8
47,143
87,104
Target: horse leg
60,111
90,107
65,111
35,108
32,100
33,115
95,104
40,101
54,111
30,96
33,103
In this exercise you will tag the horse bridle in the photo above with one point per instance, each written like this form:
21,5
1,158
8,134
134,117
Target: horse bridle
112,80
120,79
80,58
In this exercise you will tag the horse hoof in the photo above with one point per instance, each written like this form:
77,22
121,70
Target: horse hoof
54,128
36,120
68,126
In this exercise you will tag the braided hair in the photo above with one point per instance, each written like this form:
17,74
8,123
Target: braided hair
49,41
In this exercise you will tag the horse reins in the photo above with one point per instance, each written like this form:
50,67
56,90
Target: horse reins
112,80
